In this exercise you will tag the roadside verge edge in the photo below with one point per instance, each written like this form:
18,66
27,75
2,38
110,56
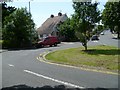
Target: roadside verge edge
43,59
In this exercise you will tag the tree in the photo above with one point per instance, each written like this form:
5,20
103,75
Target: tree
0,21
98,29
86,15
6,11
66,29
19,29
111,16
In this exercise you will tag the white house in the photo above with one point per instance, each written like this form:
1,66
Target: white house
49,27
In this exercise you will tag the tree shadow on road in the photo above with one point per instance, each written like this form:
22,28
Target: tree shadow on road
103,52
17,49
25,48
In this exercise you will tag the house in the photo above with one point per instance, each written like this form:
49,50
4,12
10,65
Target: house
49,27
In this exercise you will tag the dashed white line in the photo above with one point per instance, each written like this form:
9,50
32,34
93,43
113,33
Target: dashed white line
55,80
10,65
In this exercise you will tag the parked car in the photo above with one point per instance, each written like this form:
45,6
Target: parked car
94,37
51,40
102,33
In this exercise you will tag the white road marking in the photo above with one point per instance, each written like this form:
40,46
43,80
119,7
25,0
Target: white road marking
70,43
95,41
67,43
55,80
11,65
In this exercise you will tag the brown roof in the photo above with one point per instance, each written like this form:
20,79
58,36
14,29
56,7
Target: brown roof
48,26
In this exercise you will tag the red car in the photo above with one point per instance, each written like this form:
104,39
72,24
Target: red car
51,40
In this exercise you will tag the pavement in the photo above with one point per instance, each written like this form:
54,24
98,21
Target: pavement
2,50
22,67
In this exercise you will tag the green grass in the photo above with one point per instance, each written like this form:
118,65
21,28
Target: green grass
1,41
105,57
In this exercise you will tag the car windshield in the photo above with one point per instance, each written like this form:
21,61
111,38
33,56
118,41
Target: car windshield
47,44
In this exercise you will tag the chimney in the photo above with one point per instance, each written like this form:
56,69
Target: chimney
52,16
59,14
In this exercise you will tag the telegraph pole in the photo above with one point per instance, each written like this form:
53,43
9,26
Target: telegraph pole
29,6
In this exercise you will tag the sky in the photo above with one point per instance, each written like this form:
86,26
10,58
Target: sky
42,9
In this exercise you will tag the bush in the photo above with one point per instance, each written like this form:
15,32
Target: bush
19,29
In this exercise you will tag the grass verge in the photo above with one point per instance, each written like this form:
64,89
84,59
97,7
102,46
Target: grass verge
99,57
1,41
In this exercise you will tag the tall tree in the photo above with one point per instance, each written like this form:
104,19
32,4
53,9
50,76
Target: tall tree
111,16
0,21
6,11
18,28
86,15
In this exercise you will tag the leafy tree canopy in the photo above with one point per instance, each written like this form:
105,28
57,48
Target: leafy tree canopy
86,15
19,29
66,29
6,11
111,16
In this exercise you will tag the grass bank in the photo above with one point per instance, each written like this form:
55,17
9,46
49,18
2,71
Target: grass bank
1,41
100,57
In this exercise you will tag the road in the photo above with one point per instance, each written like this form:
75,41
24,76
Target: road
22,67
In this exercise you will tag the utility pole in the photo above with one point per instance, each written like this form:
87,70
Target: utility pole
30,25
29,6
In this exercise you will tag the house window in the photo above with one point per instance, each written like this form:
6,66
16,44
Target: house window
53,33
49,34
57,33
41,35
44,35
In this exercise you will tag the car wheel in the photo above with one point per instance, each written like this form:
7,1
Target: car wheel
41,46
55,44
50,45
37,46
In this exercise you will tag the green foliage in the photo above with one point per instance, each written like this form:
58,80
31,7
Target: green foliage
98,29
111,16
6,11
67,29
0,33
1,41
19,29
86,15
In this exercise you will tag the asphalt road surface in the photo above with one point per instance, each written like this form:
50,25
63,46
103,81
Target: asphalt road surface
22,67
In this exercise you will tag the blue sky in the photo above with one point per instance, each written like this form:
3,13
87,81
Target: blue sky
42,9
